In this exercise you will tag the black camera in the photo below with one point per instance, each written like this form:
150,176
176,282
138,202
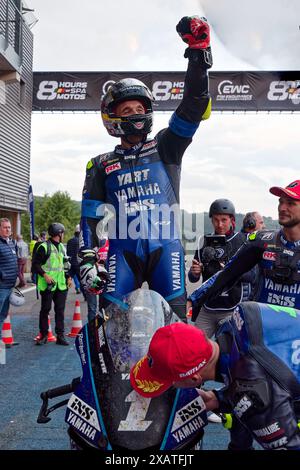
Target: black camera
211,254
50,286
215,241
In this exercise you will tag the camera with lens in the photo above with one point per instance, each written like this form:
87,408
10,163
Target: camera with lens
50,286
211,254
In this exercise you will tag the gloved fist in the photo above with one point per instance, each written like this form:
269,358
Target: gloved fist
194,31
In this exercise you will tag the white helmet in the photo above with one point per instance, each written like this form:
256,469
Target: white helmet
16,298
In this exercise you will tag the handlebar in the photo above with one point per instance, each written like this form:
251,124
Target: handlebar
53,393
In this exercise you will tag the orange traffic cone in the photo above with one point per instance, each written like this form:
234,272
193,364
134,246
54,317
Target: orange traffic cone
51,337
77,323
189,313
7,336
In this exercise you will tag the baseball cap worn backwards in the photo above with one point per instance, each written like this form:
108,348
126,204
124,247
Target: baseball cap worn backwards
176,352
292,190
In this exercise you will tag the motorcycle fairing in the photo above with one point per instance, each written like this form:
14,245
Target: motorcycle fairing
83,412
106,413
187,420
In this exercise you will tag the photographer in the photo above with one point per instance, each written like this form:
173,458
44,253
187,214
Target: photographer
212,255
52,267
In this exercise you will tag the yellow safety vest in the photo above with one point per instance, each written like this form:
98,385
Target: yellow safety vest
54,267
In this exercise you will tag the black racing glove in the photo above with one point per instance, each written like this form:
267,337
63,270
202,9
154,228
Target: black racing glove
195,32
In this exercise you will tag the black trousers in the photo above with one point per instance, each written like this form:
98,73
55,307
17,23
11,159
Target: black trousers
59,299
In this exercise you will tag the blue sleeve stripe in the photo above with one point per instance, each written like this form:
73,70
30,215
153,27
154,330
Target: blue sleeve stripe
85,234
91,208
181,127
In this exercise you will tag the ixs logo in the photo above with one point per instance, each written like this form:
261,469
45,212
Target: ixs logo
242,406
53,90
85,411
284,90
229,91
187,413
167,90
279,299
111,168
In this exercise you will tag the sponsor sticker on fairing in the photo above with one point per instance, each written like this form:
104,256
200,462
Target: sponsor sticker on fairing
187,413
85,411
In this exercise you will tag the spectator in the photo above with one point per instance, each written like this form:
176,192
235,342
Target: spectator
22,252
32,247
208,260
252,222
72,252
43,236
35,239
52,269
262,380
8,268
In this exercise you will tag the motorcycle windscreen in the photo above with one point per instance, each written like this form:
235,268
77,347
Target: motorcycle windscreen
131,421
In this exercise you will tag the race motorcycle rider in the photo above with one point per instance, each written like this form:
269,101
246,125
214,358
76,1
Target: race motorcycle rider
277,255
139,182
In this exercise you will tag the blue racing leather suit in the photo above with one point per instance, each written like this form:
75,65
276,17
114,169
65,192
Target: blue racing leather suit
260,366
139,188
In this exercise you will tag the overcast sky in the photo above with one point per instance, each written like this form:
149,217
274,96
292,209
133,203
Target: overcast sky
236,156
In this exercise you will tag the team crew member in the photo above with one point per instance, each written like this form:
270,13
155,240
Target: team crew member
252,222
251,355
52,282
140,179
212,256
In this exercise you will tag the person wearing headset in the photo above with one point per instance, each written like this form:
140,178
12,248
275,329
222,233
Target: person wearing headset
253,221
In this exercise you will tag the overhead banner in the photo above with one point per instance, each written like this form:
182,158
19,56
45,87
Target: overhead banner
230,91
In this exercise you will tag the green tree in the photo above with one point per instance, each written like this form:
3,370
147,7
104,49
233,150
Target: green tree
48,209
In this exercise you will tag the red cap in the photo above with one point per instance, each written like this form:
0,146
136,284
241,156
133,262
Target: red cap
176,352
292,190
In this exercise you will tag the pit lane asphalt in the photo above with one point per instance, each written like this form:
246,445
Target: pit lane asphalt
31,369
